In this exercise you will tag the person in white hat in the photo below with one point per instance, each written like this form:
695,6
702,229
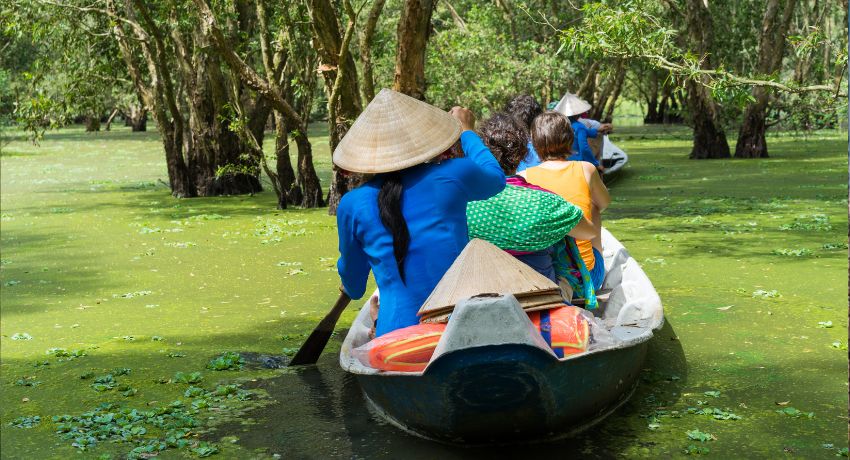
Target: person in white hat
408,224
573,108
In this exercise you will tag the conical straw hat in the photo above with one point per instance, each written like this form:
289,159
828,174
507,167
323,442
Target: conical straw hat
482,268
571,105
395,132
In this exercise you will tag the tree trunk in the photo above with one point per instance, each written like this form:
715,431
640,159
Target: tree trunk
611,103
289,187
307,176
709,136
414,27
751,138
92,123
216,153
109,120
588,85
366,35
139,123
136,117
652,114
346,107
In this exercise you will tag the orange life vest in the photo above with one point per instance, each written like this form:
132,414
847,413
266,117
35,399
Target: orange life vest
407,350
410,349
564,329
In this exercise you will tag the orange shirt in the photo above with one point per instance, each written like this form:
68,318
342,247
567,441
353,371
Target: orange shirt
572,186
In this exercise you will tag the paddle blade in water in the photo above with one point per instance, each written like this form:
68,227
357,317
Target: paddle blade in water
311,350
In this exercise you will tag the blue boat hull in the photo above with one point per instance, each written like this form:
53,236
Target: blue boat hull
506,393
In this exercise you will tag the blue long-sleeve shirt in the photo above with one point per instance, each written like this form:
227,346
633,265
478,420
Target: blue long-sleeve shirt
531,159
581,149
433,204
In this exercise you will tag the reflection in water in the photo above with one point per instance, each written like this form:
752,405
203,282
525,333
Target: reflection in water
320,412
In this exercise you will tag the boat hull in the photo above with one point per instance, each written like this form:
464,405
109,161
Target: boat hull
506,393
493,379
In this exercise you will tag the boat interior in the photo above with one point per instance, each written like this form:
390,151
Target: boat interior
629,311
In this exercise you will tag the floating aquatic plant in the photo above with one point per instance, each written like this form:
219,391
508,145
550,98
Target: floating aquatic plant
226,361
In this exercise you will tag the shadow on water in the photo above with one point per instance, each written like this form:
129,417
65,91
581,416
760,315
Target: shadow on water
320,412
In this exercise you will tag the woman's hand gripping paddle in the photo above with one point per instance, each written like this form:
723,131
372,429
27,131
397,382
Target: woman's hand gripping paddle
312,348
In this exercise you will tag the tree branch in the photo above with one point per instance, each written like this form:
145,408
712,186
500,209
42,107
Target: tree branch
247,74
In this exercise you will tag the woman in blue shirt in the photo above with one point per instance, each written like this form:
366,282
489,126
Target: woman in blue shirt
573,107
408,224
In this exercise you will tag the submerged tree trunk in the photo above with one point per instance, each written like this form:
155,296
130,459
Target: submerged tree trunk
310,185
92,123
139,124
136,117
751,138
287,183
414,27
709,136
204,157
217,155
653,115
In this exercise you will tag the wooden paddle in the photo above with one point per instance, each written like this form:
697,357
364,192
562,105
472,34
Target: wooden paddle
312,348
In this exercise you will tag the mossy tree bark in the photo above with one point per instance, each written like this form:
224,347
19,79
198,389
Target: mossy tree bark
774,29
367,33
343,93
414,28
709,136
184,87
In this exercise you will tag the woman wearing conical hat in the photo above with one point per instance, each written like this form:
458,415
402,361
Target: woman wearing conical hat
573,108
408,224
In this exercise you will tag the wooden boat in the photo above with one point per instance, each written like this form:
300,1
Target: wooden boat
613,157
492,380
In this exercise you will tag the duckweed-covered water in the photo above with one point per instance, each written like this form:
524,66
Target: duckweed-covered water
103,271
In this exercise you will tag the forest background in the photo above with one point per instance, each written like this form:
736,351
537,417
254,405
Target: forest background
217,77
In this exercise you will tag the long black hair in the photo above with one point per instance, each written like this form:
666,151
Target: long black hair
389,206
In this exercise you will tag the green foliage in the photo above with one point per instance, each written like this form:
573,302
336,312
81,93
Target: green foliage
762,294
697,435
149,431
801,252
715,413
484,66
227,361
25,422
27,382
104,383
204,449
795,413
66,355
696,450
815,222
190,378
